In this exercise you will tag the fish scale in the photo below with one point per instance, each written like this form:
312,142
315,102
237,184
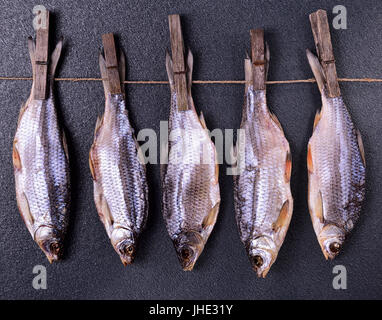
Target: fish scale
119,173
336,170
190,189
42,168
263,200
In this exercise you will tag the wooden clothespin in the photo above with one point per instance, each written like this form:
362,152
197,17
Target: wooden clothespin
321,34
179,65
42,60
258,59
111,63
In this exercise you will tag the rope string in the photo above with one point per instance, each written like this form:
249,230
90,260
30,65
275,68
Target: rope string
154,82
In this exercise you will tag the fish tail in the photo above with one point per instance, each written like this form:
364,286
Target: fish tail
190,66
248,72
32,50
170,71
267,58
316,69
55,57
103,69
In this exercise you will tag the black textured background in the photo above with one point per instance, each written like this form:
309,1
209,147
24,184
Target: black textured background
218,34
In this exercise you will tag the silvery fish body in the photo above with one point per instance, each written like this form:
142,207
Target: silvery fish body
190,186
337,169
41,167
119,174
263,199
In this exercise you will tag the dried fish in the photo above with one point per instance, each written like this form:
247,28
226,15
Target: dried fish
337,169
190,186
119,173
41,166
263,200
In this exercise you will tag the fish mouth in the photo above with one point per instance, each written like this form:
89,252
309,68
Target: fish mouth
188,246
331,248
261,261
50,244
187,257
331,240
52,249
126,250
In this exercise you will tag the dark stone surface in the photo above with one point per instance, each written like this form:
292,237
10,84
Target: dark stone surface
218,34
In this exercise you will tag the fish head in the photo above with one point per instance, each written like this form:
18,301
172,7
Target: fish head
262,253
49,242
124,243
331,239
188,245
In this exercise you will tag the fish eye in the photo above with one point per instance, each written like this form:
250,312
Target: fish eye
335,247
185,253
129,249
258,261
54,247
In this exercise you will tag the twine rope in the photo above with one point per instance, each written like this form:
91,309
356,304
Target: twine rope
155,82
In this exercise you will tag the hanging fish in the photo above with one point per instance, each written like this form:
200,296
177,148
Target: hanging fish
190,186
336,168
263,199
118,170
41,166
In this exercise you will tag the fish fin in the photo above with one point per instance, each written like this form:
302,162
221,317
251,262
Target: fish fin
122,69
65,145
140,155
361,148
319,207
163,160
91,152
105,214
98,125
216,170
317,118
310,159
54,57
202,120
267,58
24,208
92,165
170,71
283,218
210,219
276,121
288,166
103,69
233,154
190,66
316,69
103,209
16,157
248,72
22,110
